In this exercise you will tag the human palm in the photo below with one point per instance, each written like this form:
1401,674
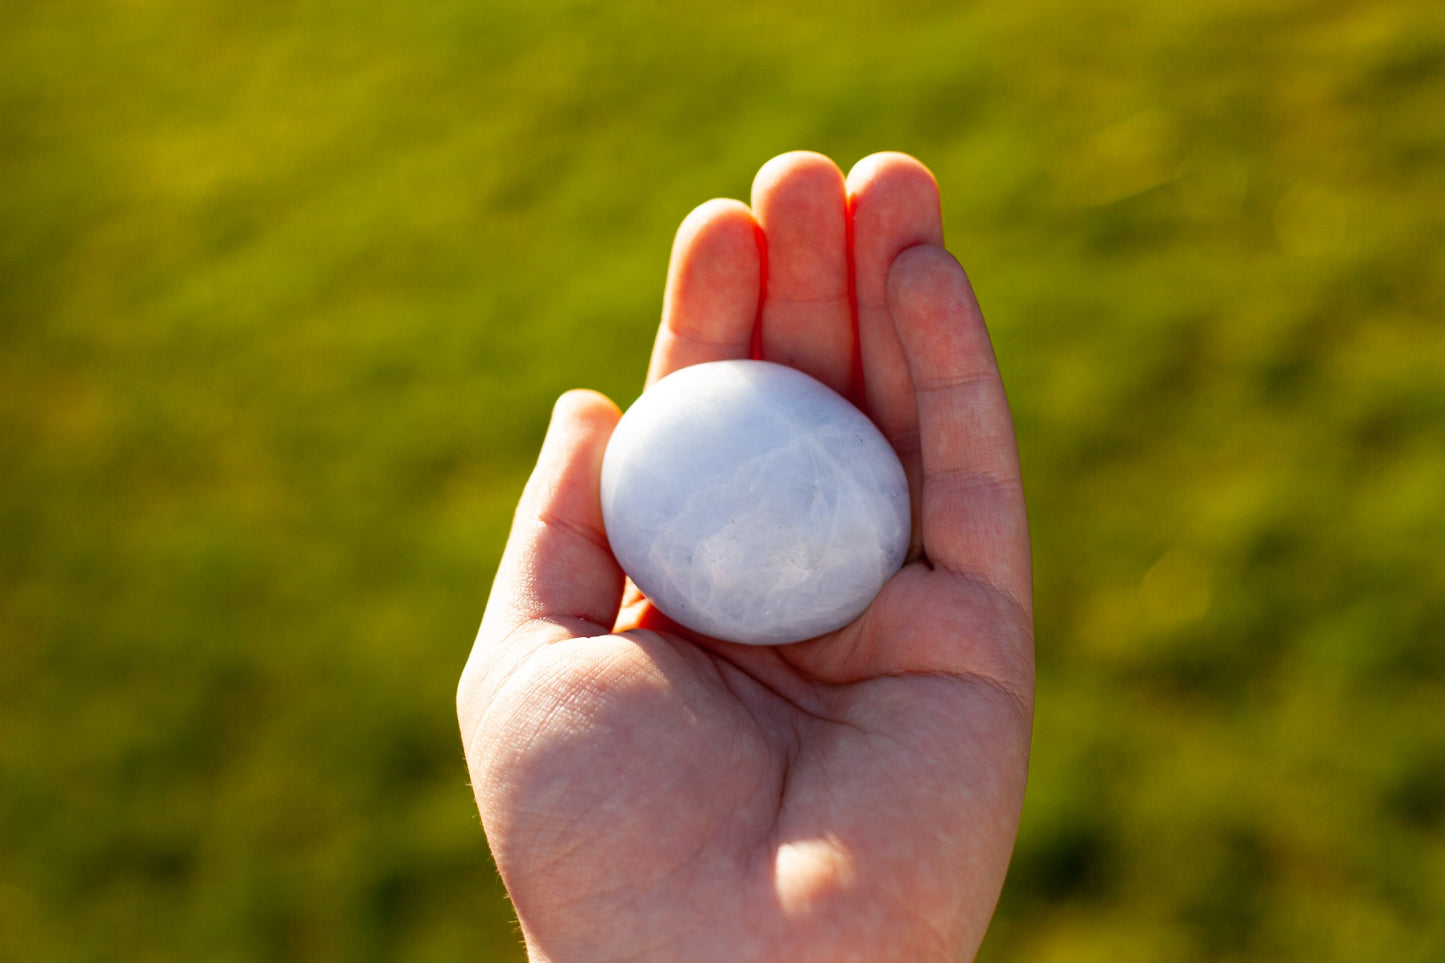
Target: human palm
649,793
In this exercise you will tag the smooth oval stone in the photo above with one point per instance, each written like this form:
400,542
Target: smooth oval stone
750,502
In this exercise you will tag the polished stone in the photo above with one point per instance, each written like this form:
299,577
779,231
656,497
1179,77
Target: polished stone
750,502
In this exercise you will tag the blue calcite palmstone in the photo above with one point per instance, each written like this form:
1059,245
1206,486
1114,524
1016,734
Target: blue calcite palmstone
752,503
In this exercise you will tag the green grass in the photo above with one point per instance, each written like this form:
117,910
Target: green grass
286,292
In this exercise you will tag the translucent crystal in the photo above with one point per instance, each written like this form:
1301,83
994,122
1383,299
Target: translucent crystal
752,503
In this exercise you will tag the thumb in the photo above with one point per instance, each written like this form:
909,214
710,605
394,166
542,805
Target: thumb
557,578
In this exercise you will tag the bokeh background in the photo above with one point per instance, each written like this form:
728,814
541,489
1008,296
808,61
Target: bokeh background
286,293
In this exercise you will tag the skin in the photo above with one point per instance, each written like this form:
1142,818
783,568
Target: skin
650,794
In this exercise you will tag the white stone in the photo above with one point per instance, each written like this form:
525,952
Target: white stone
750,502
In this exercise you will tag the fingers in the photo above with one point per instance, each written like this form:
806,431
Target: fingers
973,519
557,578
893,201
714,282
807,314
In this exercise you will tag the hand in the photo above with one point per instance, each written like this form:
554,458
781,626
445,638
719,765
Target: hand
652,794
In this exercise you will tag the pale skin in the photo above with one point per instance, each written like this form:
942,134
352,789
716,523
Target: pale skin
650,794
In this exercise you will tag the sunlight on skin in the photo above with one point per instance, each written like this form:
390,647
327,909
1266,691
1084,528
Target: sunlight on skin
651,793
807,870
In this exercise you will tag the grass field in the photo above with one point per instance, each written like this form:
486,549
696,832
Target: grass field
286,293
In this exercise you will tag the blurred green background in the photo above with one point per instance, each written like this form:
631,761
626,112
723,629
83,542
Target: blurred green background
286,293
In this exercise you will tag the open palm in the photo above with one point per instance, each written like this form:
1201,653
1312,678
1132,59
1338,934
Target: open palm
652,794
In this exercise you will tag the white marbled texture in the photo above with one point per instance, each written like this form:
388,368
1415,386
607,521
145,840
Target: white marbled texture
752,503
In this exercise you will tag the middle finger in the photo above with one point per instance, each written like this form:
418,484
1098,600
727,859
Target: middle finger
807,315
